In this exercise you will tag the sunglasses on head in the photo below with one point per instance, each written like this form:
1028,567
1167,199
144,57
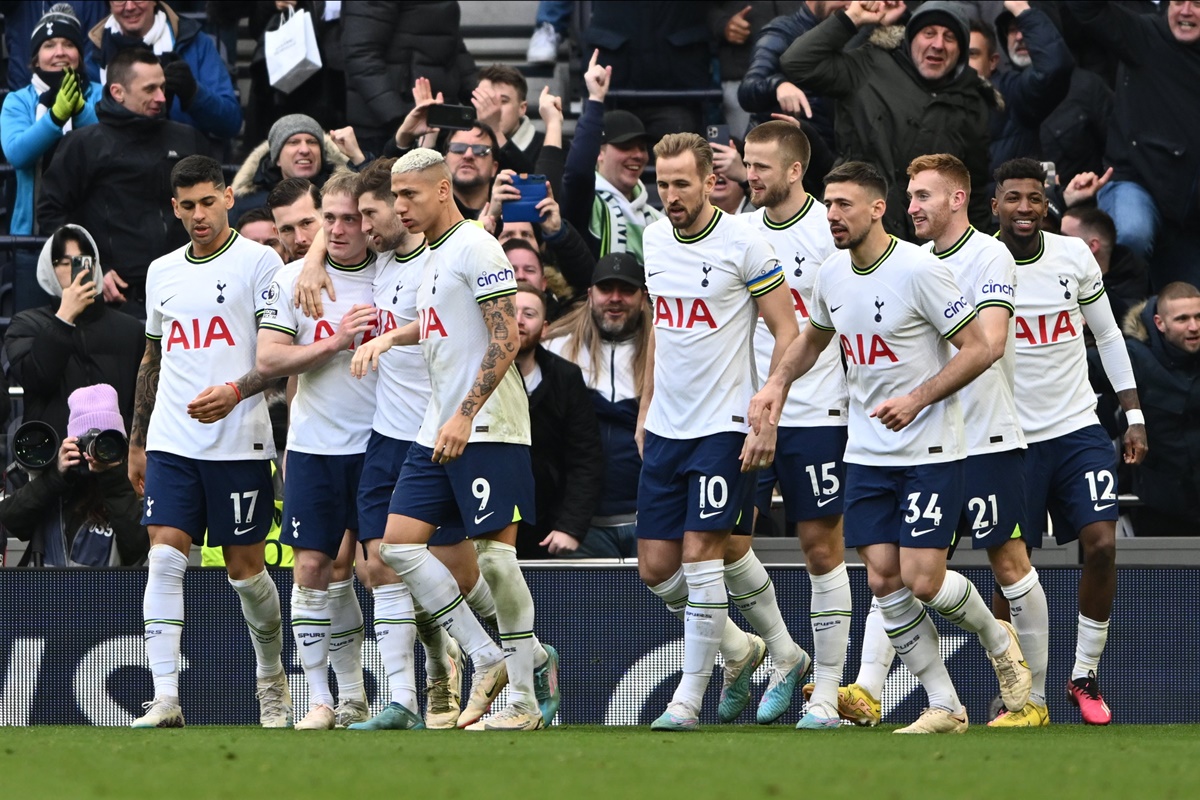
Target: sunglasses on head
478,150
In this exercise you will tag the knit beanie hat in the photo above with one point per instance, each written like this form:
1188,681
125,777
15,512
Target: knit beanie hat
59,22
94,407
287,127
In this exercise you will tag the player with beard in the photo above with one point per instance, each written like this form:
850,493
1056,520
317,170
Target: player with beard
897,310
812,428
709,275
1071,469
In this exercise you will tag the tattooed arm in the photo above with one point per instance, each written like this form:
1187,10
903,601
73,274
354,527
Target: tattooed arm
501,318
143,406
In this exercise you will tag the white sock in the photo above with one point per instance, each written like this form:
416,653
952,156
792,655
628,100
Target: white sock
960,603
395,634
480,599
1031,617
877,653
162,611
735,643
830,616
434,587
751,590
1089,646
435,641
514,616
706,615
916,640
310,629
346,640
260,607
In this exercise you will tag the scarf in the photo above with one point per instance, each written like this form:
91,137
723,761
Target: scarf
160,39
620,221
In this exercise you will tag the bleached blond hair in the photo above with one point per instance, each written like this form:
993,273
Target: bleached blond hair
419,160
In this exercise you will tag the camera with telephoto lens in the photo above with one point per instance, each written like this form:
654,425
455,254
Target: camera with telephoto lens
35,445
104,447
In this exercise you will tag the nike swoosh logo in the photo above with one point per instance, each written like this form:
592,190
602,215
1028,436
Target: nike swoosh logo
835,308
982,534
164,302
652,274
915,533
333,648
707,514
1099,507
308,642
240,532
826,501
478,520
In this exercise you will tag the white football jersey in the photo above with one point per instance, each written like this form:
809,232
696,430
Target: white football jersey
1058,284
205,311
332,410
987,274
703,288
893,320
466,267
802,244
402,392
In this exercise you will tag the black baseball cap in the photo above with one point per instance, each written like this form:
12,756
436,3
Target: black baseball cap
621,127
619,267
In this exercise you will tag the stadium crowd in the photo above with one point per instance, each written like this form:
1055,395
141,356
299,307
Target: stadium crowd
704,132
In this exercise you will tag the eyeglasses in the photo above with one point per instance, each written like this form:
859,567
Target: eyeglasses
478,150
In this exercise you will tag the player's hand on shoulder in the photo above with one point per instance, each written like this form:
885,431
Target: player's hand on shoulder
897,412
306,295
213,404
452,439
560,543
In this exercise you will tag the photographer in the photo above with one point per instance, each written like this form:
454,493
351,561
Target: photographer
79,509
77,340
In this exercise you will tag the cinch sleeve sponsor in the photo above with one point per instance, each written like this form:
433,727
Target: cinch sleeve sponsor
940,299
997,283
492,276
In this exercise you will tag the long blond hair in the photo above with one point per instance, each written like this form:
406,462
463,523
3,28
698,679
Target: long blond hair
585,335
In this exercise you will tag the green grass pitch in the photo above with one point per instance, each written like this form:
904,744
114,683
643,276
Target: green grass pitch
1060,762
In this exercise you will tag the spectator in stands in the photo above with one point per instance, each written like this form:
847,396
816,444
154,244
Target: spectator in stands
663,48
764,89
528,266
75,341
553,19
909,91
1074,135
197,85
258,225
565,449
736,25
80,512
471,156
387,46
1154,135
295,205
556,241
20,21
603,194
1163,338
1126,277
114,177
609,339
500,101
296,147
1032,88
58,99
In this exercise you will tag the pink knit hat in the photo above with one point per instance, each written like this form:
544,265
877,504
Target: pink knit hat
94,407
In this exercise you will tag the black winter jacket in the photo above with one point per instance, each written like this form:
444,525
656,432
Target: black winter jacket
387,46
887,114
1074,134
114,179
1154,134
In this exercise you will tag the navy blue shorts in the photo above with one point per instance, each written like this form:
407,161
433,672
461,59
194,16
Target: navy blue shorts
233,500
994,509
1074,478
486,489
908,506
810,472
380,469
320,500
693,485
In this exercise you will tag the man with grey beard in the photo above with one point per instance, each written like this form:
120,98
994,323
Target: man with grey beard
608,337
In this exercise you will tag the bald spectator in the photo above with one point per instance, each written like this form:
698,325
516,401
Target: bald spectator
1126,277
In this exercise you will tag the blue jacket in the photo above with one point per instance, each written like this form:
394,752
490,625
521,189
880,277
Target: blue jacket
26,139
214,110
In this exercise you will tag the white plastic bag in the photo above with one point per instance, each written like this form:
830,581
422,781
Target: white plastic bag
292,55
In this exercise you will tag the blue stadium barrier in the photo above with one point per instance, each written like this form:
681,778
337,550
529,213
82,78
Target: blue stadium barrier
71,649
